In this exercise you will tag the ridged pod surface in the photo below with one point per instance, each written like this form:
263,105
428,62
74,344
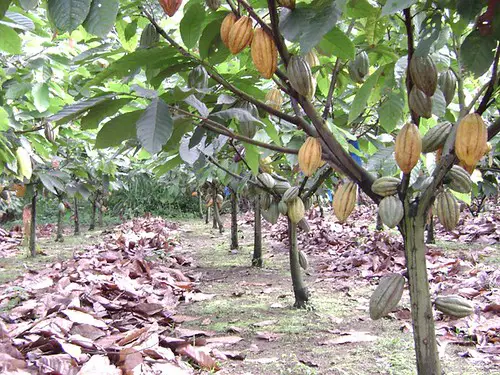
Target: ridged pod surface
267,180
471,139
359,67
290,4
458,179
149,36
420,103
49,133
282,207
274,99
61,207
300,76
170,7
290,194
265,201
303,262
264,53
281,187
310,156
448,84
454,306
408,147
344,200
296,210
447,210
424,74
391,211
386,186
387,295
226,26
240,35
436,136
198,78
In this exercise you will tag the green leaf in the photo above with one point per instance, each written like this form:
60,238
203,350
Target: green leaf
272,132
28,4
51,182
211,46
308,23
4,5
469,9
20,21
359,9
40,94
252,157
391,112
98,113
4,120
102,17
17,90
9,40
394,6
74,110
478,52
466,198
155,126
118,129
359,103
236,113
438,103
171,163
191,25
338,44
67,15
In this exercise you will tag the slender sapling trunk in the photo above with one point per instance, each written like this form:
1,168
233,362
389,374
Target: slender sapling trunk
299,288
33,226
234,220
77,218
257,260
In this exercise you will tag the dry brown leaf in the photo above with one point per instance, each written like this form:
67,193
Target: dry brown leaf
99,365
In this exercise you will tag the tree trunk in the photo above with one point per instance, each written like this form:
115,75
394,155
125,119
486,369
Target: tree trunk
207,215
33,226
234,220
200,203
100,215
421,310
77,218
380,225
299,288
257,260
430,231
93,214
60,215
217,220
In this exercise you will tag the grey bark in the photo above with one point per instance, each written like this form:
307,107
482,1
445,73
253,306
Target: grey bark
234,220
33,226
76,218
299,288
257,260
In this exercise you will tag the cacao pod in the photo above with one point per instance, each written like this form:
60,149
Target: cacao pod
391,211
281,187
447,210
344,200
296,210
290,4
436,136
408,147
291,194
266,180
265,201
24,165
471,139
282,207
170,7
274,99
468,168
240,35
448,84
304,225
307,203
272,213
310,156
248,128
219,199
386,186
359,67
300,76
226,26
423,73
198,78
458,179
312,59
149,36
264,53
61,207
303,262
454,306
386,296
213,4
49,133
420,103
210,203
194,194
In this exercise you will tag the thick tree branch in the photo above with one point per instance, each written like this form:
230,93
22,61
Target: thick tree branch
333,82
324,174
280,43
411,49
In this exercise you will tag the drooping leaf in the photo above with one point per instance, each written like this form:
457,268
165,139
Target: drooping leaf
155,126
252,157
188,154
438,103
478,52
338,44
118,129
67,15
171,163
99,112
194,102
101,17
4,5
20,21
211,46
74,110
10,42
28,4
191,25
236,113
51,182
40,94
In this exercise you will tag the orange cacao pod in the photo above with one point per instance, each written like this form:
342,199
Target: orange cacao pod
471,139
344,200
264,53
274,99
240,35
408,147
170,6
310,156
194,194
226,27
468,168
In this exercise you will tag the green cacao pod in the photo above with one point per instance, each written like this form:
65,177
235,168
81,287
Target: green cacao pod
61,207
387,295
391,211
359,67
448,84
454,306
272,213
198,78
49,133
281,187
307,203
300,76
304,225
458,179
436,137
296,210
248,128
213,4
149,37
282,207
471,140
447,210
344,200
420,103
312,59
265,201
310,156
290,4
408,147
303,262
267,180
386,186
290,194
423,73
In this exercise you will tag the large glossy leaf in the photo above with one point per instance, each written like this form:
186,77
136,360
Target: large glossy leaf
154,127
10,42
252,157
28,4
118,129
101,17
363,94
188,155
67,15
4,5
391,112
337,43
40,94
74,110
211,46
170,164
98,113
51,182
478,52
191,25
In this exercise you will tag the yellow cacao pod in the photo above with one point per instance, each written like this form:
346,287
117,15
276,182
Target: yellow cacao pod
310,156
240,35
344,200
226,27
471,139
274,99
296,210
408,147
264,53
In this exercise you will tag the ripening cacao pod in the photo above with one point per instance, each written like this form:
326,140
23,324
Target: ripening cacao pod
304,225
266,180
408,147
265,201
149,36
219,199
310,156
423,73
248,128
489,147
436,136
61,207
281,187
391,211
49,132
303,262
296,210
282,207
447,210
468,168
448,84
264,53
170,7
420,103
359,67
458,179
198,78
312,59
387,295
213,4
454,306
226,26
272,213
344,200
274,99
240,35
210,203
291,194
194,194
386,186
290,4
471,139
300,76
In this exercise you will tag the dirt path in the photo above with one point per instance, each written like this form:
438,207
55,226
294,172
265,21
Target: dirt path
335,337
